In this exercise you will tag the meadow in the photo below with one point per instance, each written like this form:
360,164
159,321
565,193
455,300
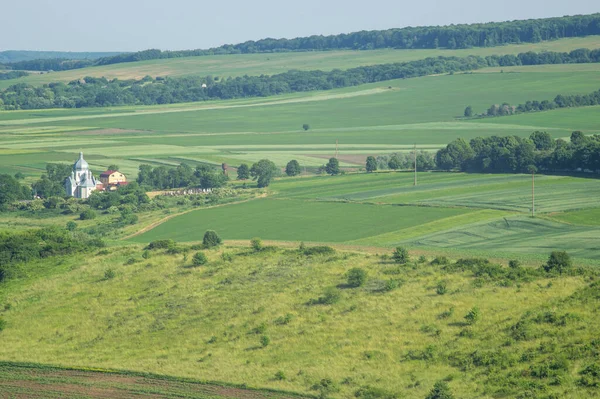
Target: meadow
391,341
273,63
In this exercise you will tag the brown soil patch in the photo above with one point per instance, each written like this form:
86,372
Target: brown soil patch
357,159
105,132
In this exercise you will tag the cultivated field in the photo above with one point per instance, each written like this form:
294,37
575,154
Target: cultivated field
365,120
449,211
268,64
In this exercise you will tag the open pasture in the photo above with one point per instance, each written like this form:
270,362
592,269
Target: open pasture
273,63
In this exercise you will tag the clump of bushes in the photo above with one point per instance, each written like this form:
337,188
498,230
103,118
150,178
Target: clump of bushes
473,316
88,214
109,274
356,277
441,288
199,259
161,244
256,244
401,255
559,262
211,239
280,376
440,390
265,341
369,392
330,296
318,250
284,320
440,261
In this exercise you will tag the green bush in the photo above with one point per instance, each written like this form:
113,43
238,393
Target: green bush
330,296
226,257
440,390
2,324
440,261
256,244
71,225
558,262
356,277
514,264
211,239
441,288
473,316
199,259
280,376
161,244
318,250
401,255
369,392
265,341
283,320
109,274
88,214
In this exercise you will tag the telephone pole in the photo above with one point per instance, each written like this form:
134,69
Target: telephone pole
336,149
415,183
532,194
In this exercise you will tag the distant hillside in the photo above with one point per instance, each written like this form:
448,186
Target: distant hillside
24,55
428,37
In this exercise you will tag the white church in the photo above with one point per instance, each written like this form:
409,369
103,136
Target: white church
81,183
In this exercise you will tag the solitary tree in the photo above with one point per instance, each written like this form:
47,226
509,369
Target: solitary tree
559,262
263,172
113,167
306,126
243,172
199,259
333,166
292,168
371,164
211,239
468,112
440,391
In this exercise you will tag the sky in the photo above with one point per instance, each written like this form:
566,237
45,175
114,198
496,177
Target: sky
132,25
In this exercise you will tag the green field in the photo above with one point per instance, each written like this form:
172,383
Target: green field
365,120
269,64
481,213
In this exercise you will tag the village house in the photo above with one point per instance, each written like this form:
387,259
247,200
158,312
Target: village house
113,179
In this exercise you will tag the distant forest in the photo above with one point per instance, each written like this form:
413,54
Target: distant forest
100,92
429,37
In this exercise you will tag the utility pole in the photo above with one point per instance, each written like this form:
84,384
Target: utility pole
336,149
415,183
533,194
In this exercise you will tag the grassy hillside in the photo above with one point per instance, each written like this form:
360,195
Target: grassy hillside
365,120
268,64
535,335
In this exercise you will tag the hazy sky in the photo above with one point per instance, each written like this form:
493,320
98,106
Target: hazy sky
131,25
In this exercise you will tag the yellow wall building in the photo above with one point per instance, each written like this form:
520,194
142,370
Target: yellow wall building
112,178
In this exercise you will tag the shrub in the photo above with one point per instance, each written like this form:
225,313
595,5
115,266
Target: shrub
71,225
283,320
226,257
305,126
472,316
446,314
369,392
88,214
440,390
265,341
401,255
146,254
256,244
558,262
109,274
391,285
441,288
514,264
318,250
439,260
2,324
356,277
422,259
161,244
199,259
211,239
280,376
330,296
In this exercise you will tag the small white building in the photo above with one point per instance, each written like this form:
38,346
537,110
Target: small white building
81,183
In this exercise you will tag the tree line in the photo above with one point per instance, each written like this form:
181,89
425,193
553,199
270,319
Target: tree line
513,154
162,177
101,92
560,101
12,75
427,37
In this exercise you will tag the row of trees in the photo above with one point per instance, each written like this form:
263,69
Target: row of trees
12,75
512,154
100,92
162,177
452,37
560,101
